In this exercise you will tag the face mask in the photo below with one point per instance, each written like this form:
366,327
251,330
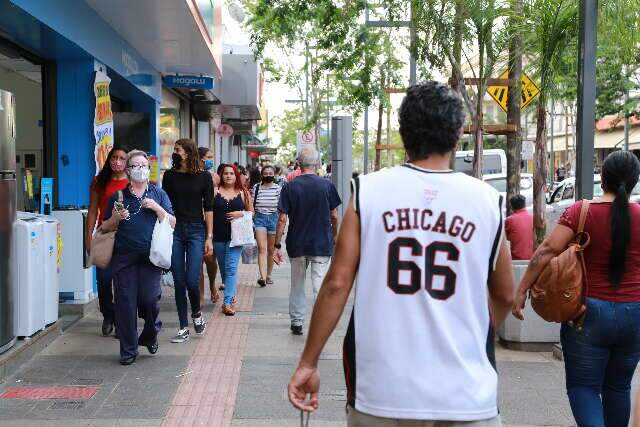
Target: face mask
139,175
176,159
268,179
208,164
117,165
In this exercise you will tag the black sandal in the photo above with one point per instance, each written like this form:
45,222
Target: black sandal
262,283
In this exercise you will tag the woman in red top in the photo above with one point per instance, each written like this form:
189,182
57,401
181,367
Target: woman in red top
112,178
601,358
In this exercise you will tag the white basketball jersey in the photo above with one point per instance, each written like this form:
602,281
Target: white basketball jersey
417,344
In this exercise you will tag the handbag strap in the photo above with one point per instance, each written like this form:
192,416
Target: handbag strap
255,193
584,210
120,196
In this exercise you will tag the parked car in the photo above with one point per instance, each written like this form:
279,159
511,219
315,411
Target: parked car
564,196
499,182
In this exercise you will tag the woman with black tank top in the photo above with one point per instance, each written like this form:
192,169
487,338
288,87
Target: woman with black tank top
230,200
191,192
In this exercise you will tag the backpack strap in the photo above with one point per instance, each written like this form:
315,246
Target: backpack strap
256,188
583,215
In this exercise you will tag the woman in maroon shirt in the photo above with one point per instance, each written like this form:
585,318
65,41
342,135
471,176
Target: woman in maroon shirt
601,358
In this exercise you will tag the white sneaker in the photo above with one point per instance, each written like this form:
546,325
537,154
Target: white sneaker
199,324
181,336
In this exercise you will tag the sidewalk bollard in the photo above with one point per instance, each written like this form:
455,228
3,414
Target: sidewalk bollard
531,334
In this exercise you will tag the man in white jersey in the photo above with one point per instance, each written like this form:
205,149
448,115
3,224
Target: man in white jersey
433,281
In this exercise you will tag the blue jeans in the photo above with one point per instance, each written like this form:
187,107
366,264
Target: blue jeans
186,265
228,260
600,361
266,222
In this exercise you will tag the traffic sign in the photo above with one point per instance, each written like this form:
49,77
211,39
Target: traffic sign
528,150
529,91
305,139
224,130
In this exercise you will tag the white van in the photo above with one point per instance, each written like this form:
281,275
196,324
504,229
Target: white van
493,161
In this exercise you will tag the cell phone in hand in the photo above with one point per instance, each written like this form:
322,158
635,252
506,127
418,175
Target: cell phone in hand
119,206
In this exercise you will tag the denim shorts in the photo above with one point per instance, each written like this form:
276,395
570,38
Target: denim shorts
267,222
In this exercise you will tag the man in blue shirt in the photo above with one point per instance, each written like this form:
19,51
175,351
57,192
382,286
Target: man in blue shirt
310,203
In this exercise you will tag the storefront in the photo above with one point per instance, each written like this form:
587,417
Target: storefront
85,75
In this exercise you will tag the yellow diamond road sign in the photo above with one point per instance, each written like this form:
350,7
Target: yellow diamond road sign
529,91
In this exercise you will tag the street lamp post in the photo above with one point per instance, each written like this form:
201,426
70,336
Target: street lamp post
587,44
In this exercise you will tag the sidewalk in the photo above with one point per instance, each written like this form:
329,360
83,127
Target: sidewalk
236,374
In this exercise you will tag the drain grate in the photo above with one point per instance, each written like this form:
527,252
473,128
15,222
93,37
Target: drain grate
73,405
87,381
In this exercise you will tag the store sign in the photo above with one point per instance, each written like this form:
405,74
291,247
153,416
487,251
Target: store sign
189,82
224,130
305,139
103,120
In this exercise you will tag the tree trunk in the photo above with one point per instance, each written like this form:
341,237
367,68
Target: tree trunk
514,140
380,114
540,173
457,54
477,123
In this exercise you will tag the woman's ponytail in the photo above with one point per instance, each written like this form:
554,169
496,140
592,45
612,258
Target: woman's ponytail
620,172
620,235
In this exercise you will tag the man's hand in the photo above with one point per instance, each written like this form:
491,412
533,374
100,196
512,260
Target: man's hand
305,380
208,247
277,256
518,305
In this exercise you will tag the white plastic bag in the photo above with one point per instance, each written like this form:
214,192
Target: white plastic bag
161,244
242,230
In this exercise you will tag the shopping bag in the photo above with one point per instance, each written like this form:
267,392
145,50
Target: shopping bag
161,244
242,230
102,247
167,279
250,254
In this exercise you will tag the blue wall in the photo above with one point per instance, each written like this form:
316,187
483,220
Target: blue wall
76,103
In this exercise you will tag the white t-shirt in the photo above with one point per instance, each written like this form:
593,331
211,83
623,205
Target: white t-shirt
417,343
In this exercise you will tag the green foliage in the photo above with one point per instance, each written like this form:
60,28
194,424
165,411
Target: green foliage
287,126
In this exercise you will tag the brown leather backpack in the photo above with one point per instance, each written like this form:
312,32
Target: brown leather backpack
558,294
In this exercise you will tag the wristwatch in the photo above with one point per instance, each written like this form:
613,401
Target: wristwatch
277,245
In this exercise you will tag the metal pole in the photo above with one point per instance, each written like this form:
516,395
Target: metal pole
587,44
412,58
306,84
365,167
552,169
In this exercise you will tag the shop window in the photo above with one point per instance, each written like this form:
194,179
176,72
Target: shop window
169,134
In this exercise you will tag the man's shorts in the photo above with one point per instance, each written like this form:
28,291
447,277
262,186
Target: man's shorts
359,419
266,222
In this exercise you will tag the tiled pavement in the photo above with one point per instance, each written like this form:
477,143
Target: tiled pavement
235,374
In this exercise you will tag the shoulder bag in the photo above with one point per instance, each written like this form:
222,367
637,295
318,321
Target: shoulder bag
102,244
559,293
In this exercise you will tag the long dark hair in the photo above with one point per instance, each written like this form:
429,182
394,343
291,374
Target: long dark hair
620,172
106,172
194,164
202,151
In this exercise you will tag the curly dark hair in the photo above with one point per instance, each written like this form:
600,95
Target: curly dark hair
431,116
194,164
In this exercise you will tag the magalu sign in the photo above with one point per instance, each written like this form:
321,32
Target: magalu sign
189,82
103,120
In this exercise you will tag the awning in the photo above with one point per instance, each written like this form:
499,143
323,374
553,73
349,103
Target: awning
172,35
605,139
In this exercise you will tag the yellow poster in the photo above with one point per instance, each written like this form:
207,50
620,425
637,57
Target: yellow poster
103,120
154,175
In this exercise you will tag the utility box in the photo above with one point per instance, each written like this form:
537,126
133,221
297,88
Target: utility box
533,333
341,161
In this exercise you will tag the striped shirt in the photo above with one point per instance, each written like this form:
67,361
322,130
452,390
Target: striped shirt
267,202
